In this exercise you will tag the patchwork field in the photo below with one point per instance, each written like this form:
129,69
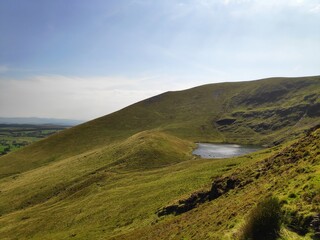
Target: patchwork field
16,136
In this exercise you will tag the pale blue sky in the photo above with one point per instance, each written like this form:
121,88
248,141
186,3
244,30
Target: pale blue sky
85,58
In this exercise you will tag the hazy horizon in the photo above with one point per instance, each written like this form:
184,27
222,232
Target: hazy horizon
89,119
82,60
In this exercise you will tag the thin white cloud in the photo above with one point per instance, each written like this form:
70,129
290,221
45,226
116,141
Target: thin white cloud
271,2
315,9
226,2
266,6
176,10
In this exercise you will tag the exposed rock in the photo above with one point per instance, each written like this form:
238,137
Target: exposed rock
267,94
185,205
260,97
271,119
219,187
226,121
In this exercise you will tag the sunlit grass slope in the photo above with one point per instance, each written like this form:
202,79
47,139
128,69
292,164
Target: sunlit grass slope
93,196
257,112
291,174
109,177
145,150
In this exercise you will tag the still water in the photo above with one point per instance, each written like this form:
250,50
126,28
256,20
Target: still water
210,150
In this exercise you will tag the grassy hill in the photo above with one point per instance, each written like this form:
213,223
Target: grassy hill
110,177
258,112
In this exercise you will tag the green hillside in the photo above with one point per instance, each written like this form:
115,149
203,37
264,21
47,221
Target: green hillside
219,211
131,174
258,112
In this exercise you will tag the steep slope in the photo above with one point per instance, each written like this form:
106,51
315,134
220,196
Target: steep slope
218,212
260,112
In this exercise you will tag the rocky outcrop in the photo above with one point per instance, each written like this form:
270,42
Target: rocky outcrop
226,121
219,187
266,94
267,120
185,205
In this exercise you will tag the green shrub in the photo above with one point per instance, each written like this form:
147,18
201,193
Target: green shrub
263,223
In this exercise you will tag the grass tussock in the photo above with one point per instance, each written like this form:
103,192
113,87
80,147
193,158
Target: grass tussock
264,221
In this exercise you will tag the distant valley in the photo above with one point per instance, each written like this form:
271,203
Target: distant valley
16,136
39,121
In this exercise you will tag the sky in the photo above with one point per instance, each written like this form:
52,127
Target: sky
82,59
